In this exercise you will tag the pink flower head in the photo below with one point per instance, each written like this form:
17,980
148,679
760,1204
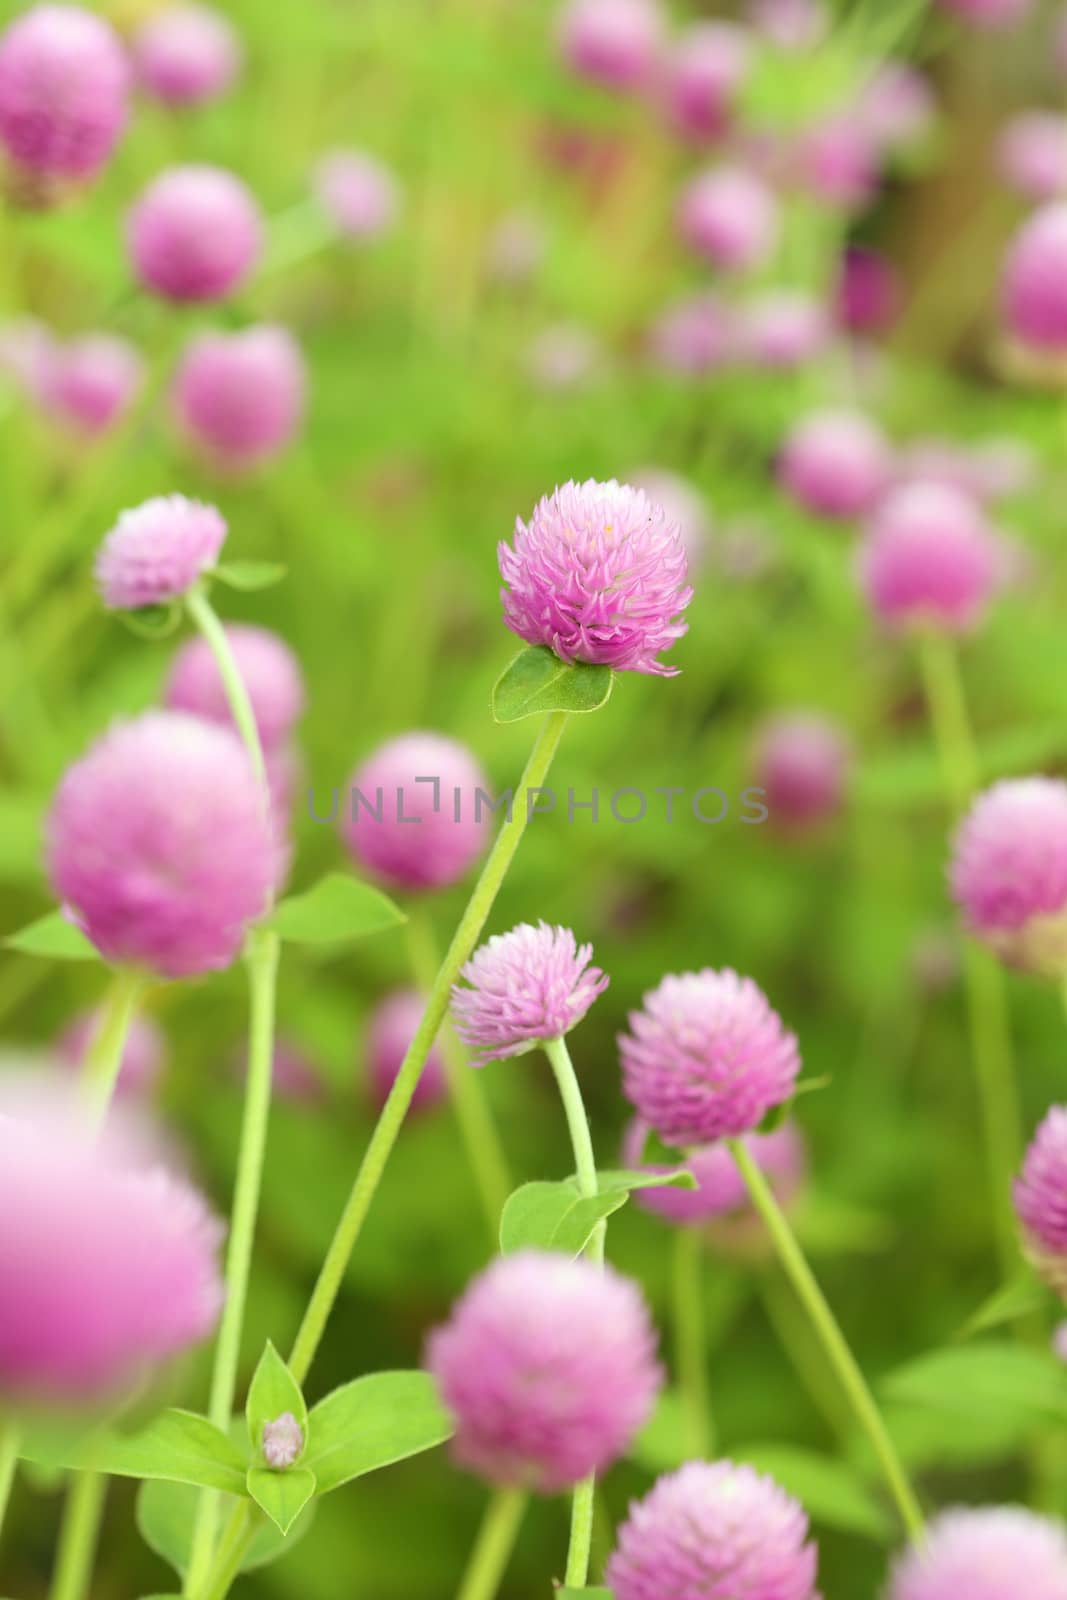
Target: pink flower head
836,464
358,194
158,551
1032,154
598,575
418,812
729,217
839,162
615,43
985,1553
392,1027
790,24
684,506
195,234
715,1529
929,557
112,1268
239,397
525,987
1009,872
707,1058
896,105
1040,1195
868,294
63,83
92,382
702,77
784,329
989,13
801,761
1034,285
693,336
721,1195
269,669
160,846
548,1367
142,1059
186,54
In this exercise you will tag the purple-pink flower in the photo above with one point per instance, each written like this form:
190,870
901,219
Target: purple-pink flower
1034,285
1032,154
720,1195
783,329
929,558
1009,872
702,78
730,217
157,552
548,1367
195,234
392,1026
240,397
693,336
985,1553
92,381
1040,1195
598,575
615,43
359,194
63,86
836,464
143,1055
801,761
523,988
270,672
186,54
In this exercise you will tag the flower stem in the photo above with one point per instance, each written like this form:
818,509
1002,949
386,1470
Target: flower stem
832,1339
947,706
103,1059
493,1547
690,1334
262,959
10,1439
200,610
78,1536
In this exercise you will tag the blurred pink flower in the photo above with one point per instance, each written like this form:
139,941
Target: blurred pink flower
268,667
1009,872
615,43
782,329
693,336
985,1553
63,85
721,1195
186,54
836,464
240,397
702,74
1032,154
868,294
392,1026
801,760
195,234
683,505
1034,285
143,1057
92,381
358,193
1040,1195
730,217
929,558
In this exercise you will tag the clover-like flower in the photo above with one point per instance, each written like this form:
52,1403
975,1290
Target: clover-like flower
523,988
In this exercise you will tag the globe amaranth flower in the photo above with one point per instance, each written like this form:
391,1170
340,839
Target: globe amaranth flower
720,1195
867,296
714,1528
417,812
838,160
783,330
896,105
195,234
524,987
1034,283
1032,154
985,1553
157,552
929,558
359,194
598,575
615,43
836,463
186,54
548,1367
392,1026
1040,1196
791,24
92,382
730,217
143,1055
706,1057
160,846
693,337
63,89
801,761
239,398
702,78
1009,872
269,670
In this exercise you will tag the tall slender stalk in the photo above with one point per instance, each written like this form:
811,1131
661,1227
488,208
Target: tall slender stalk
690,1332
201,611
78,1537
10,1438
493,1547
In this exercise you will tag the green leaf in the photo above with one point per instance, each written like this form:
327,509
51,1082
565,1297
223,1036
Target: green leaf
165,1516
661,1444
334,910
372,1422
152,622
249,575
177,1445
54,938
1008,1304
589,1594
538,681
830,1491
612,1180
282,1495
556,1216
273,1390
1006,1384
20,836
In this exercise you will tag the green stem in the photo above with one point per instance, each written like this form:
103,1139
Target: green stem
78,1537
200,610
691,1342
230,1553
10,1439
262,959
947,705
831,1338
493,1547
103,1060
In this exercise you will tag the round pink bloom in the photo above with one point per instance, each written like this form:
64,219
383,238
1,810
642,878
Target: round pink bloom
985,1553
989,13
548,1367
526,986
1040,1195
142,1059
730,217
1009,872
790,24
1034,286
92,381
63,83
702,77
802,762
836,463
707,1058
157,551
195,234
721,1194
896,105
269,669
240,397
929,556
414,834
694,336
784,329
838,162
683,505
358,194
714,1529
1032,154
868,294
598,575
111,1270
615,43
160,846
187,54
393,1024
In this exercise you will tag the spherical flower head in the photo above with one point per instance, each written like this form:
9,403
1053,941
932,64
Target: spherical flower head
240,397
868,294
989,13
801,761
684,506
706,1058
63,84
702,78
598,575
929,558
393,1024
838,162
157,552
994,1553
283,1441
358,194
418,812
729,217
1032,154
783,330
92,382
143,1055
1034,284
614,43
1009,872
836,464
525,986
693,337
896,105
195,234
548,1367
269,670
160,846
714,1528
1040,1195
720,1195
186,54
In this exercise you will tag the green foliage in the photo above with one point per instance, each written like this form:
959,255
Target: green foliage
830,1491
177,1445
537,681
372,1422
335,910
249,576
273,1390
165,1517
556,1216
54,938
282,1495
